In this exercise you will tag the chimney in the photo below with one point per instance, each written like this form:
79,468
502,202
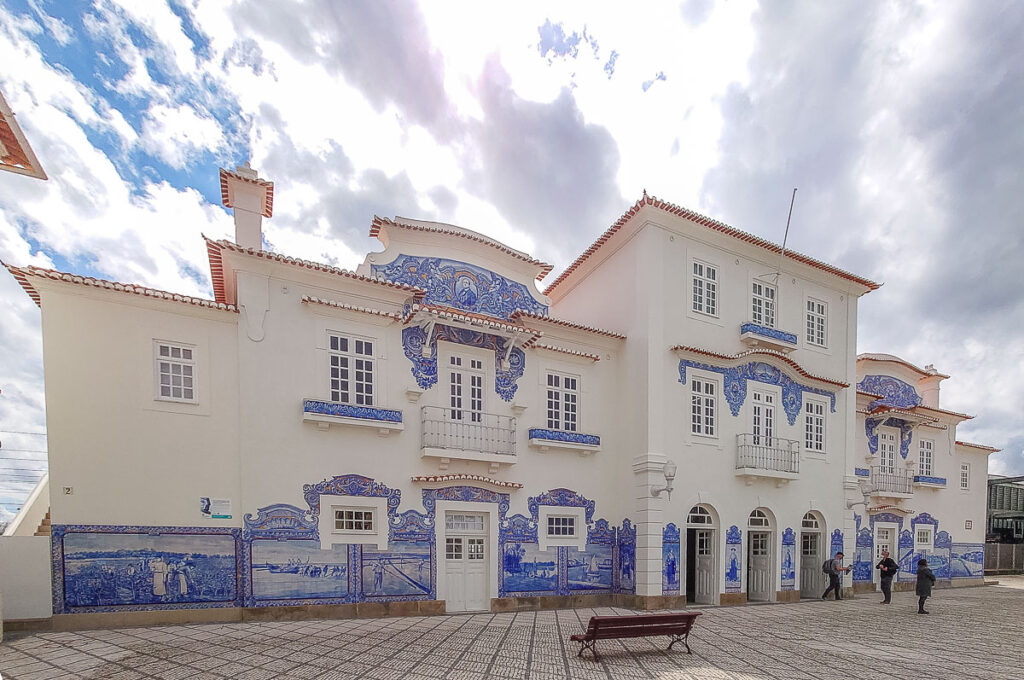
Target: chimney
252,199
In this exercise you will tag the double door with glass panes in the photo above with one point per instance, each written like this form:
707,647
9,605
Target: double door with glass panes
466,562
701,584
885,540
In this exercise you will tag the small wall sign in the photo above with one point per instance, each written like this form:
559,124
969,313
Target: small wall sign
215,508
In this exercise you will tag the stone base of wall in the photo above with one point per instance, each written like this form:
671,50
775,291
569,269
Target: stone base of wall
966,582
534,603
787,596
864,587
651,602
170,617
727,599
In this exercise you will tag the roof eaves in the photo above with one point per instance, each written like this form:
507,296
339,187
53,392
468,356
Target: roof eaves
760,352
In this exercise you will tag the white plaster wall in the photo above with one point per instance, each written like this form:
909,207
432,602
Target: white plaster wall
128,458
25,577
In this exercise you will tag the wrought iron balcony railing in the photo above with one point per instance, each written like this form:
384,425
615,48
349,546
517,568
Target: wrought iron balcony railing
758,452
465,430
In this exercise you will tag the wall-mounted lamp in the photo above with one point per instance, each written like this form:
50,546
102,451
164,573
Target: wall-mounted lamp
670,475
865,488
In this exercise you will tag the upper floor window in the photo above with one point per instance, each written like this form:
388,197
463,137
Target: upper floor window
352,370
705,288
176,372
763,301
703,401
465,389
925,458
965,475
923,538
561,526
563,402
817,315
814,426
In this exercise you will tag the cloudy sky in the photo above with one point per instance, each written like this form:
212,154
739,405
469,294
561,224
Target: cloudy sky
537,123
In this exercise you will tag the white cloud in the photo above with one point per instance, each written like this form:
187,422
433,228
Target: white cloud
176,134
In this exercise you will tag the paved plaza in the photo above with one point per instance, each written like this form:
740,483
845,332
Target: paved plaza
971,633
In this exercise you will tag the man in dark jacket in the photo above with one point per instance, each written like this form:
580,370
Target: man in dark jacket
833,567
925,581
888,568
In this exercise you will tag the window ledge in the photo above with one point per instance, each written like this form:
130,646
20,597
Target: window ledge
815,455
557,439
327,413
933,482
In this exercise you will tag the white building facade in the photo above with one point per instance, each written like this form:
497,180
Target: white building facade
432,433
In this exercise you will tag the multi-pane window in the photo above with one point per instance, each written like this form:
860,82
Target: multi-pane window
759,544
705,288
464,522
816,320
758,519
814,426
763,301
353,519
351,370
703,543
703,407
176,372
965,475
453,548
563,402
699,515
810,522
763,418
887,453
923,538
925,457
475,548
465,389
809,545
561,525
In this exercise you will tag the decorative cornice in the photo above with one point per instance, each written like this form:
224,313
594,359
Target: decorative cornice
351,308
867,356
980,447
451,230
518,314
479,320
563,350
24,274
775,354
712,224
462,477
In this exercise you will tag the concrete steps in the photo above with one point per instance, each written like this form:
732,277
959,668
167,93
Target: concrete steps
44,526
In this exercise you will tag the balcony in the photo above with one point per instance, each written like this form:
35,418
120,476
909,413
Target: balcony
891,483
767,457
756,335
485,437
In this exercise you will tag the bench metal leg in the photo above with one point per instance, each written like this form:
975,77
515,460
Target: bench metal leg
680,638
588,644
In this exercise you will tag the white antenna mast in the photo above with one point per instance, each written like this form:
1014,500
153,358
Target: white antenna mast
782,253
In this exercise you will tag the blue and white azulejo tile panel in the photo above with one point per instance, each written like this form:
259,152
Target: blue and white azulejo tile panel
298,570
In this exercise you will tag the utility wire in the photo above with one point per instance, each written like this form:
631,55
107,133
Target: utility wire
41,460
26,450
35,434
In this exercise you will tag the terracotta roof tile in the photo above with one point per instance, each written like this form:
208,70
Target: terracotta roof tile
268,196
712,224
520,314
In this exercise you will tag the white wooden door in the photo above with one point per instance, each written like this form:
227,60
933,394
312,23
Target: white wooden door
759,573
705,565
466,563
763,418
883,541
810,564
887,452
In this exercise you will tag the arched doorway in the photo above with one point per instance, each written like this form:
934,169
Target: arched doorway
760,556
812,554
701,555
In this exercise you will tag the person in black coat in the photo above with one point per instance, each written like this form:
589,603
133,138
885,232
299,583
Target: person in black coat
888,568
925,581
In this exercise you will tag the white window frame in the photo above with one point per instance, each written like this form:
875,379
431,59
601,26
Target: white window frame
926,458
351,396
701,429
924,546
330,536
759,515
965,476
816,322
563,398
366,512
561,526
579,540
763,311
764,399
819,411
706,301
192,364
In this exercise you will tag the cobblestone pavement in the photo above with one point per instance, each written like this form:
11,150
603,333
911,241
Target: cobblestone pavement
971,633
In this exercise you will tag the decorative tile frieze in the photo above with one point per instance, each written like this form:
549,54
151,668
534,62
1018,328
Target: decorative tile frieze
926,479
424,368
539,435
862,472
735,385
906,428
331,408
894,391
451,283
773,333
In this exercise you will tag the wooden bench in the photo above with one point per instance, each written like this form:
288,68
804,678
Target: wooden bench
676,626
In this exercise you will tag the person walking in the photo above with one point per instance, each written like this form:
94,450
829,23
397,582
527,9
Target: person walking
833,568
925,581
888,568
